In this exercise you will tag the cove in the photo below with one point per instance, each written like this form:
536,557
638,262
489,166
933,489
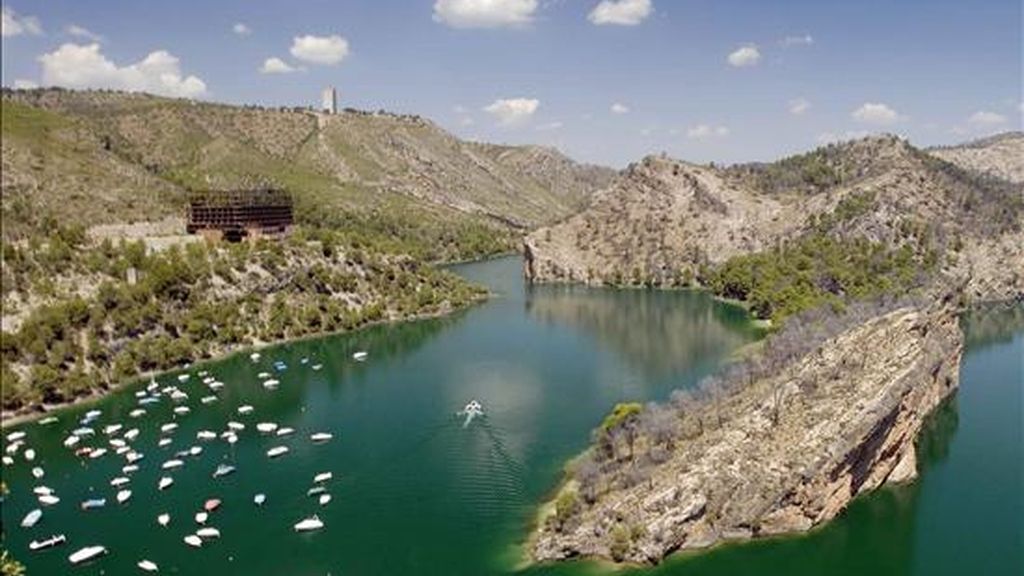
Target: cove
415,492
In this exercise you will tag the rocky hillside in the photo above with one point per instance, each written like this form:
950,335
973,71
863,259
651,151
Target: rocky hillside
1001,156
667,222
136,152
772,449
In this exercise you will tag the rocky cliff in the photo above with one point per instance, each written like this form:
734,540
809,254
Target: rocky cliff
781,454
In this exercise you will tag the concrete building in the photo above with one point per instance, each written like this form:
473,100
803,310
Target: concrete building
329,100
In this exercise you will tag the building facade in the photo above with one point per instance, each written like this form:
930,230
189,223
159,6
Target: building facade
240,214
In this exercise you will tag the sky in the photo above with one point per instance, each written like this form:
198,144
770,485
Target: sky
605,81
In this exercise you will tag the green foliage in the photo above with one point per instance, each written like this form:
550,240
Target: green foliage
816,270
620,414
566,506
620,544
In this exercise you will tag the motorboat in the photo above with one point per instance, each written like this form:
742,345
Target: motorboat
315,490
131,435
133,457
48,500
137,413
37,472
97,453
163,519
472,410
30,454
48,420
183,377
236,426
112,429
169,427
360,356
172,464
50,542
120,481
321,436
259,499
285,431
208,532
194,541
71,440
255,356
31,518
317,367
208,399
86,554
266,427
206,435
245,409
123,496
94,503
182,410
309,524
165,483
42,490
322,477
118,442
164,442
147,566
195,450
271,384
277,451
130,468
223,470
211,504
325,499
201,517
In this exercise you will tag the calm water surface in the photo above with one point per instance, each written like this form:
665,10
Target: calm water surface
415,492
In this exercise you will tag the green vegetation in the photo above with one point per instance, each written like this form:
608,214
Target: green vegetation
816,270
804,173
192,302
620,414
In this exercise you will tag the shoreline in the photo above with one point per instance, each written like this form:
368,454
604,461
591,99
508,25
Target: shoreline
33,413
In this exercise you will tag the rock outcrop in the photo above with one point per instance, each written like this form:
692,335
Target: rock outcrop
782,454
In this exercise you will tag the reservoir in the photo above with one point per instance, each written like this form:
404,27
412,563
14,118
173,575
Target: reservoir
415,490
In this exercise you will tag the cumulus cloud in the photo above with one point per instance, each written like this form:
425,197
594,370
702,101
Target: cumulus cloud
13,24
619,108
275,65
84,66
620,12
82,32
23,84
745,56
798,106
241,29
320,49
986,119
484,13
805,40
876,113
512,111
706,131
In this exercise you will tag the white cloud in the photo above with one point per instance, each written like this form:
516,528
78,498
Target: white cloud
82,32
619,108
798,106
275,65
805,40
986,119
705,132
13,24
547,127
22,84
484,13
511,111
876,113
745,56
241,29
620,12
320,49
84,66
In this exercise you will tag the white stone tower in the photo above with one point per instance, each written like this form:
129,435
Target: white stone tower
329,100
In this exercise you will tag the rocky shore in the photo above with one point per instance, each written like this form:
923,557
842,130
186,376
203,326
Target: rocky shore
780,455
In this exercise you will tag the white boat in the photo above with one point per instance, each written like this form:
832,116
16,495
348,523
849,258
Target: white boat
31,518
183,377
48,500
195,451
120,481
182,410
215,385
164,442
48,420
137,413
163,519
315,490
206,435
321,436
70,441
236,426
13,447
42,490
169,427
121,450
165,483
245,409
208,532
263,375
277,451
30,454
93,414
37,472
48,543
194,541
123,496
360,356
472,410
172,464
131,435
94,504
129,468
86,554
259,499
208,399
7,460
97,453
133,457
255,356
223,470
16,436
308,524
324,499
322,477
285,431
179,396
112,429
201,517
266,427
271,384
317,367
118,442
147,566
83,431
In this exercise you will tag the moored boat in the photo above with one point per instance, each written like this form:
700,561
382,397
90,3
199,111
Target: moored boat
50,542
86,554
309,524
277,451
147,566
31,518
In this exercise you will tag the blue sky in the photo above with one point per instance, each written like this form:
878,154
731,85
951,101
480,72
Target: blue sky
606,81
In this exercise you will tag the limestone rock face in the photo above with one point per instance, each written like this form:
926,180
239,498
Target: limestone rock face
846,419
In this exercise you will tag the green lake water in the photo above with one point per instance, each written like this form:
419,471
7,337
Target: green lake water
416,492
